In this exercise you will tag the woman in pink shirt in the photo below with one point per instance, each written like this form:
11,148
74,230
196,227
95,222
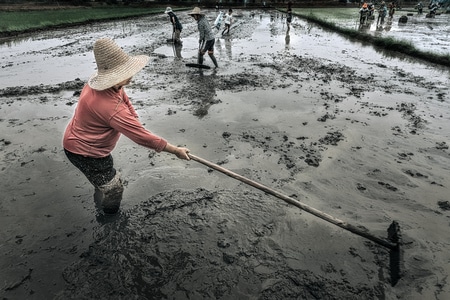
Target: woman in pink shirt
103,113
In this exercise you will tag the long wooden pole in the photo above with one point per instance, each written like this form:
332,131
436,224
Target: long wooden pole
322,215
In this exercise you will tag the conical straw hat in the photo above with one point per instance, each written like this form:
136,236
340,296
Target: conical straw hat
113,65
196,11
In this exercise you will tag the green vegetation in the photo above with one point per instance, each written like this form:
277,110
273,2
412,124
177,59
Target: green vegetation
12,22
328,18
335,14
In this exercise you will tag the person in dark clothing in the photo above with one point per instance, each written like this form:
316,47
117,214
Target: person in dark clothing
177,27
289,19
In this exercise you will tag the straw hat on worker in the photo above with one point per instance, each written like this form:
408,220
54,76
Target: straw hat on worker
168,10
196,11
113,65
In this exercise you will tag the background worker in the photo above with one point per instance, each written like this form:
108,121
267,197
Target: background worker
228,20
289,18
207,38
382,12
177,27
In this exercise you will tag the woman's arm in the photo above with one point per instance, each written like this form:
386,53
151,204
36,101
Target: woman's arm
180,152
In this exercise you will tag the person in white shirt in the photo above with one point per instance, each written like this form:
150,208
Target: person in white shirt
228,18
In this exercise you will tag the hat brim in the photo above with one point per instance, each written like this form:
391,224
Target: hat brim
106,79
196,13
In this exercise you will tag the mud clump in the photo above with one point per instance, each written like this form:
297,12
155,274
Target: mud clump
75,85
185,243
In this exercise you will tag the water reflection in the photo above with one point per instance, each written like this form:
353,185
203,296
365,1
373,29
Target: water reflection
228,48
388,25
16,41
177,50
204,92
218,45
287,40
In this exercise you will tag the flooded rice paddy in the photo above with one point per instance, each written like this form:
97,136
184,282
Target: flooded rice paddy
365,140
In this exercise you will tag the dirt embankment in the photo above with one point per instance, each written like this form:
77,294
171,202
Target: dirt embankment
33,6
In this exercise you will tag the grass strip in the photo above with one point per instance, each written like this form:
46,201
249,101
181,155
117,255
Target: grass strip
16,22
387,43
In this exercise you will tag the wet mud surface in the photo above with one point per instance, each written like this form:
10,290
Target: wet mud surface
364,141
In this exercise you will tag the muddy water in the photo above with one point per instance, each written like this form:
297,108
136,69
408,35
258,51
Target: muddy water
427,34
364,140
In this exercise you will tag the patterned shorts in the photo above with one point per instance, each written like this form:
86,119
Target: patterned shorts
98,171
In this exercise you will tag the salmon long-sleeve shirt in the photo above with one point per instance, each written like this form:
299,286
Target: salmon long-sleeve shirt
98,121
